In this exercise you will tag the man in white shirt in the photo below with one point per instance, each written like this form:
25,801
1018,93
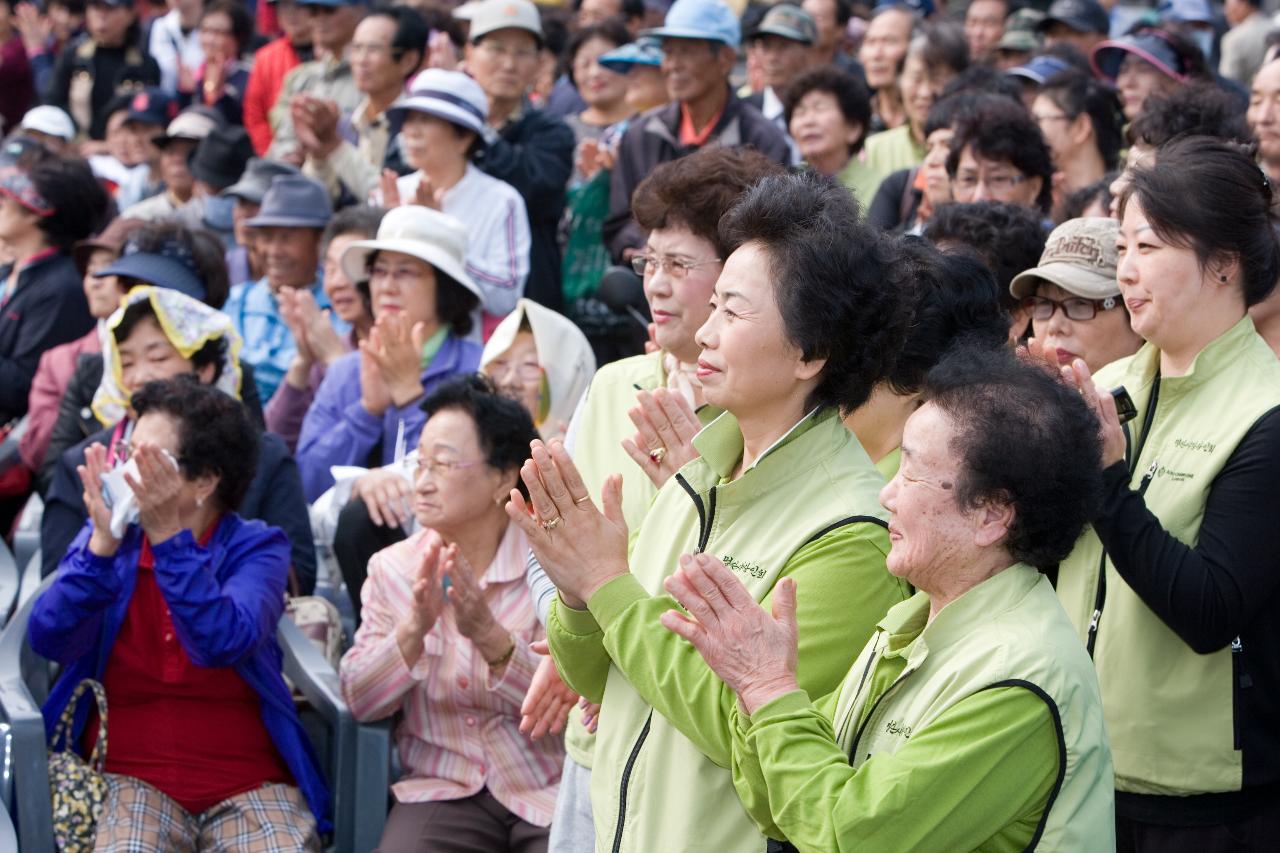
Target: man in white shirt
175,45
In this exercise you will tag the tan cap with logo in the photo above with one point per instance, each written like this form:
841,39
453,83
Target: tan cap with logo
1080,257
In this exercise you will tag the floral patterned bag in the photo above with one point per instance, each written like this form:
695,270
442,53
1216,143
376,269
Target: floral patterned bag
77,788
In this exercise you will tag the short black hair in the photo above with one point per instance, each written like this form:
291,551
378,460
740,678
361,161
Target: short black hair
504,428
1006,132
954,298
213,352
215,435
206,251
1193,109
982,80
79,202
948,110
241,23
1009,238
412,32
1209,195
1075,204
941,45
1077,93
454,303
831,274
1023,438
611,30
851,96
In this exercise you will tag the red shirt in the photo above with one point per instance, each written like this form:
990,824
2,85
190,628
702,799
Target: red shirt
192,732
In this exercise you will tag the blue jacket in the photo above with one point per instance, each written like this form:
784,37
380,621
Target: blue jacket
225,601
339,431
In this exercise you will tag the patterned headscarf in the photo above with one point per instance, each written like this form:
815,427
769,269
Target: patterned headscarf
187,323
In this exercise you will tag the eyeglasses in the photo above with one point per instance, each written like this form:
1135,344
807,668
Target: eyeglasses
1073,308
677,268
526,371
501,51
995,183
438,467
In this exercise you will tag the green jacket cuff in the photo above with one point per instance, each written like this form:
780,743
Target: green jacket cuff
576,622
613,598
787,705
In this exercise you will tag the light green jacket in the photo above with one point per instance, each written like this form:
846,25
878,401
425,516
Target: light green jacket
894,149
1169,709
808,509
987,734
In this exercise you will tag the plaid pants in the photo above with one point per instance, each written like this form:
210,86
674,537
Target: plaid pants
137,818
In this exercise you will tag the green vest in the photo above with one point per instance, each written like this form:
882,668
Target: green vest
651,788
1169,709
1008,629
598,453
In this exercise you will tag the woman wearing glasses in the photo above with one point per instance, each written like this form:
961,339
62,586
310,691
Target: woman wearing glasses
1072,297
998,154
445,642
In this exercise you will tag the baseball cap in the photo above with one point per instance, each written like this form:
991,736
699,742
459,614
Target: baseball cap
172,266
1020,31
1080,257
922,8
1185,11
450,95
493,15
50,121
1150,45
711,20
192,124
642,51
1083,16
788,22
150,106
1040,69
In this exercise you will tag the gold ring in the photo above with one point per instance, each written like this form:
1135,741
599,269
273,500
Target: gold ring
580,501
657,455
552,524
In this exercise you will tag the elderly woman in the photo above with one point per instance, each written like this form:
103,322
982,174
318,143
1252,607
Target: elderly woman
828,112
422,299
1171,590
1148,61
159,333
445,642
175,613
803,326
971,719
1072,297
999,154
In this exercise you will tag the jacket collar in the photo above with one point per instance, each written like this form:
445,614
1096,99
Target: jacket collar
1222,354
664,122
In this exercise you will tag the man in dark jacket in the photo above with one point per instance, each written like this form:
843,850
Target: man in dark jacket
527,148
700,39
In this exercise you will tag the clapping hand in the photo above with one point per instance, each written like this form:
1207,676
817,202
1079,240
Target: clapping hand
665,427
471,613
101,542
752,652
580,547
396,348
386,495
158,490
427,602
547,704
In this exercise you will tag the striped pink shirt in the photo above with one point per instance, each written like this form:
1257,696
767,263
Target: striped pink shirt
459,729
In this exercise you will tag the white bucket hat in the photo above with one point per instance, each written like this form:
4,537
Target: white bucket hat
420,232
450,95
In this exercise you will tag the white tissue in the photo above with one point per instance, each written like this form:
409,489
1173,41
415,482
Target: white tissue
119,496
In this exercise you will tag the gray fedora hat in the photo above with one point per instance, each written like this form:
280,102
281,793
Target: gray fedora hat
257,178
293,201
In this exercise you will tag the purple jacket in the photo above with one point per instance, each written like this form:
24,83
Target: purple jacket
225,599
339,431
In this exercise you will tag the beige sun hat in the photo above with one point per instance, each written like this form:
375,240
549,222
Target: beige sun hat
1080,257
420,232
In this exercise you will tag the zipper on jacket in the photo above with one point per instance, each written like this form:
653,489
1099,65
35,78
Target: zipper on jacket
1240,680
1100,597
862,682
626,780
853,747
706,514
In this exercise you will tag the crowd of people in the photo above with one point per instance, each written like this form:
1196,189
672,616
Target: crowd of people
713,425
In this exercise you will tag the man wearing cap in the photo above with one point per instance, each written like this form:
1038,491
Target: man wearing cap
984,27
99,64
131,162
271,63
218,162
1244,46
1020,40
385,53
700,40
52,127
1073,299
176,145
287,231
244,260
1079,23
527,148
328,76
784,41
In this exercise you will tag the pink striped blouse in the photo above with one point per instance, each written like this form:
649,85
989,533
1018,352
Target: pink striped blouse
459,729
